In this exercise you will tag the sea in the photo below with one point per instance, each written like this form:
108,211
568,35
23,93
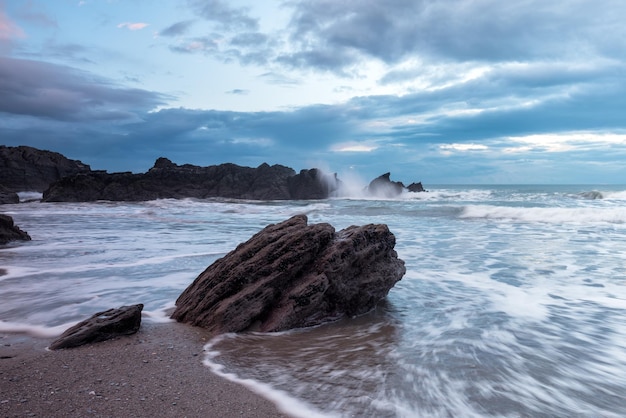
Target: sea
513,303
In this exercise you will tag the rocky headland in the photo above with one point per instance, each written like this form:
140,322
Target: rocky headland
166,180
63,180
30,169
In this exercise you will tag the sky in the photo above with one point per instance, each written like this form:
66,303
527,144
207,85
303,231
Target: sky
438,91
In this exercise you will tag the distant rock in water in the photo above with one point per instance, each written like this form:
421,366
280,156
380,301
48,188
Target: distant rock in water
30,169
383,186
592,195
292,275
416,187
102,326
10,232
169,180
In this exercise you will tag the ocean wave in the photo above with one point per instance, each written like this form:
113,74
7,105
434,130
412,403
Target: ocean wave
591,195
38,331
283,401
548,215
601,195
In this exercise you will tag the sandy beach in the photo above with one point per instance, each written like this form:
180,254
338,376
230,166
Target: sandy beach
157,372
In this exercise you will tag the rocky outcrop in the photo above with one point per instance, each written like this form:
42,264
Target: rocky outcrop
29,169
168,180
102,326
293,275
382,186
10,232
416,187
312,184
8,196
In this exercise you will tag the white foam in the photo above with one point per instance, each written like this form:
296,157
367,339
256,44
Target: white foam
38,331
550,215
30,196
614,195
281,399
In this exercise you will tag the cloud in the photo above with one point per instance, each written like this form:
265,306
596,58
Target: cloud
492,146
238,92
52,91
177,29
353,146
279,79
132,26
424,43
205,44
481,30
223,15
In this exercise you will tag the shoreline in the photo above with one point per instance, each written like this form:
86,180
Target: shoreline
156,372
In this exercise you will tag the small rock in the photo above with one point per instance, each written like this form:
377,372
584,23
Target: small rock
101,326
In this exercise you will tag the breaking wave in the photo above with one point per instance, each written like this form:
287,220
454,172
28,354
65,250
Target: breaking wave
549,215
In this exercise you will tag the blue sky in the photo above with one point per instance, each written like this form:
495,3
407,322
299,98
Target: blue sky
438,91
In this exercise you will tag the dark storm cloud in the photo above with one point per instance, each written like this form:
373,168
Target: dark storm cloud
177,29
336,36
52,91
304,137
455,30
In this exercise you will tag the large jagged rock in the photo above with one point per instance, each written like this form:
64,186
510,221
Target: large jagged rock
168,180
11,232
292,275
30,169
102,326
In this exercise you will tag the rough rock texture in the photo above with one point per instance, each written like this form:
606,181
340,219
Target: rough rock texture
169,180
10,232
8,196
101,326
292,275
30,169
312,184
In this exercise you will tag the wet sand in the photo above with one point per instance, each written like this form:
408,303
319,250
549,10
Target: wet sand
157,372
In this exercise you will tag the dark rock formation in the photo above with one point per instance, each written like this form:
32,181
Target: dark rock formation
293,275
29,169
416,187
312,184
382,186
169,180
102,326
10,232
8,196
